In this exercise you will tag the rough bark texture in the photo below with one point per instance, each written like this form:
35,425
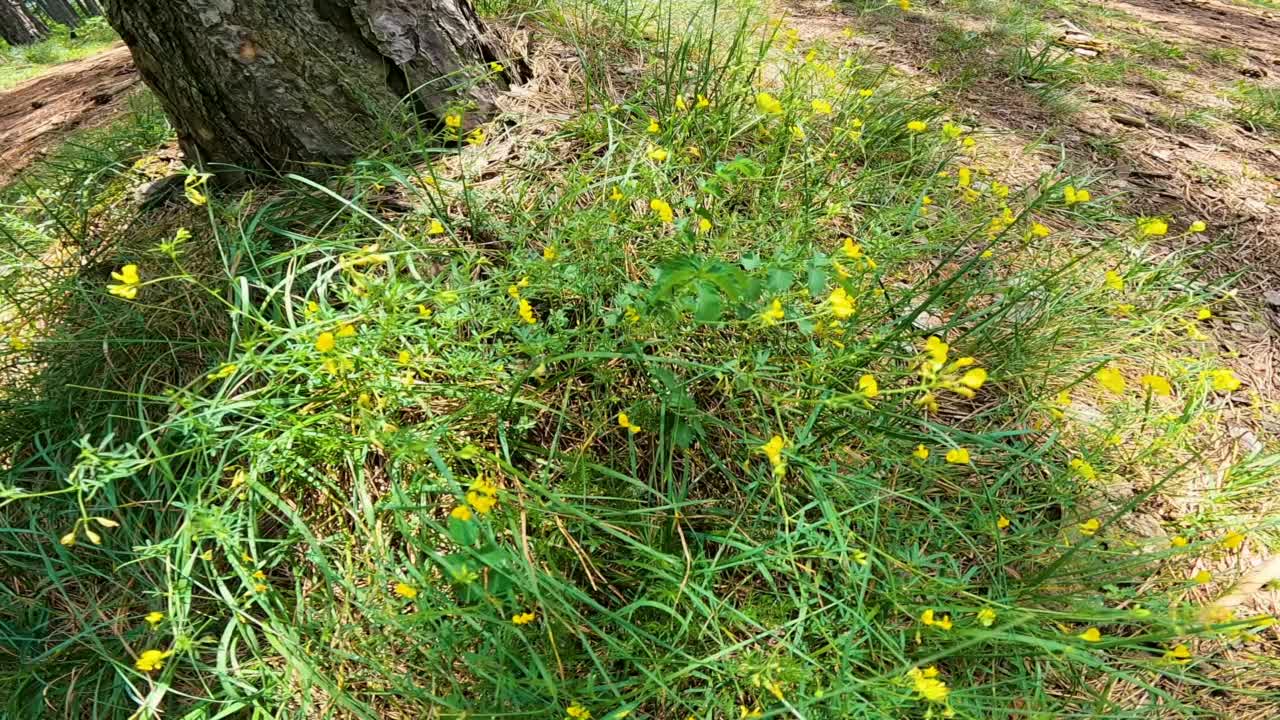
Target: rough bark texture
16,26
90,8
60,11
284,84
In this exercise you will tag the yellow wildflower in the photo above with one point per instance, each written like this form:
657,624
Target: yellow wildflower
406,591
436,228
958,456
842,305
704,226
1090,527
662,209
549,253
523,618
703,102
496,67
1204,313
952,131
461,513
1039,230
225,370
1002,523
1082,466
1157,385
797,133
1149,227
1179,653
1114,280
1091,635
1203,577
151,660
482,503
657,154
129,282
986,617
1224,380
974,378
192,188
453,120
577,712
921,452
917,126
1198,227
942,622
904,5
625,423
1111,379
774,314
325,343
926,682
868,386
154,618
476,137
820,107
1232,540
1178,541
768,104
526,312
654,127
936,350
773,451
1073,196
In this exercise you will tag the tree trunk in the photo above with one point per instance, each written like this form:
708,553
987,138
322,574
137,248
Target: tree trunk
289,84
90,8
16,27
60,12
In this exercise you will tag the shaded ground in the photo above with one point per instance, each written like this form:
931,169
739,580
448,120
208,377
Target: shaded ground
37,114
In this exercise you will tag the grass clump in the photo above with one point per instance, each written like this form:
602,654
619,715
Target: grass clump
748,392
1256,107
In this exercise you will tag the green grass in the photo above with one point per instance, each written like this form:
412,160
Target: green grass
1257,107
21,63
278,492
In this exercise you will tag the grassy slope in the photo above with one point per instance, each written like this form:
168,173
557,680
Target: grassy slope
286,498
19,64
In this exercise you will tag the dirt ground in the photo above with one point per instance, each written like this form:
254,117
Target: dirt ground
37,114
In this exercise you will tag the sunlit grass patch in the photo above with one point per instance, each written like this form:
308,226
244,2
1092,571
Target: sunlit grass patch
18,64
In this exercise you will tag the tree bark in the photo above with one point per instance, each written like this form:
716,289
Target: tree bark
16,26
90,8
292,84
60,12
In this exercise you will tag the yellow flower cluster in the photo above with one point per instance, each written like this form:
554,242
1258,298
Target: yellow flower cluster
960,377
773,450
927,685
930,619
483,495
152,660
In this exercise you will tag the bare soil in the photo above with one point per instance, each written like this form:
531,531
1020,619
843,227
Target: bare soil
36,115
